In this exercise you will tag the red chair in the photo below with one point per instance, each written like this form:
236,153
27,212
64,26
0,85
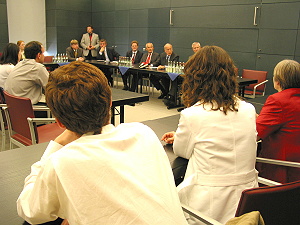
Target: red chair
3,123
258,88
278,204
22,123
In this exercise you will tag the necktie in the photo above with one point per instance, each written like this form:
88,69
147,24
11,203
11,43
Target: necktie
133,58
75,53
148,58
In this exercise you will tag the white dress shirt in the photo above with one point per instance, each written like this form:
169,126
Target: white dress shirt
121,176
27,79
5,70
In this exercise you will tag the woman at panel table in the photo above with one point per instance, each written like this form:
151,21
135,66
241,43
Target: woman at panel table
9,58
278,123
216,132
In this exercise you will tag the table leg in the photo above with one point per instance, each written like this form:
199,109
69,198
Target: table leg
112,120
122,114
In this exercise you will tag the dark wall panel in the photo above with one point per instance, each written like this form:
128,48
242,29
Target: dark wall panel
3,25
280,42
232,16
180,3
280,15
121,18
140,35
138,18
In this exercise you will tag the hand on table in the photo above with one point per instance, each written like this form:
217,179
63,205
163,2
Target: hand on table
168,137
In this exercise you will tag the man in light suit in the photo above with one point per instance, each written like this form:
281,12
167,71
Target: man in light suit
135,56
90,43
162,81
108,54
74,53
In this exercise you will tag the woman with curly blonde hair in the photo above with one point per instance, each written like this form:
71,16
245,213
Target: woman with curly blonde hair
217,133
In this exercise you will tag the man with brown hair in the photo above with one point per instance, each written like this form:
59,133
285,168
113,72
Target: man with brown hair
95,173
74,53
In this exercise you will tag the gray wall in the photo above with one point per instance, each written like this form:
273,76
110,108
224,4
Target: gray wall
66,20
3,24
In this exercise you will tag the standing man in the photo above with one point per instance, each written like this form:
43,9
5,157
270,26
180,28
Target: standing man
74,53
29,77
90,43
108,54
162,81
135,56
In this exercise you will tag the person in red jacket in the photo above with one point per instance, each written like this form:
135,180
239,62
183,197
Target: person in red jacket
278,124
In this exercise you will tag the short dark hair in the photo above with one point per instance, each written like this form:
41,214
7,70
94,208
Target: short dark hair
103,40
32,49
10,54
90,26
79,96
209,77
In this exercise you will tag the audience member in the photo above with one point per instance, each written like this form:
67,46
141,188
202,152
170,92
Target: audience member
74,53
21,45
29,77
162,81
108,54
9,58
278,124
135,56
217,133
95,173
90,43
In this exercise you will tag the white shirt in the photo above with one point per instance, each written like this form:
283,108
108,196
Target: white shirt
5,70
27,79
222,151
122,176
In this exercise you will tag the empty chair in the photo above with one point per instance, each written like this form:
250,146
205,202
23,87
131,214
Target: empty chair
258,88
22,122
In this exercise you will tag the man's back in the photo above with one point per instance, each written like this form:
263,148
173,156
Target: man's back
27,79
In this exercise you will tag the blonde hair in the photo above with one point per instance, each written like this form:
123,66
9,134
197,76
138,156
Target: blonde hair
287,73
73,42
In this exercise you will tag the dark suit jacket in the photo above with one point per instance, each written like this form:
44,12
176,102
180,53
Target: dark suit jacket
163,58
138,56
154,58
71,54
111,53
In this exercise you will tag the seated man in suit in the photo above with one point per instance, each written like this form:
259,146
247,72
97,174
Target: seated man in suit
74,53
150,58
96,173
107,54
135,56
162,81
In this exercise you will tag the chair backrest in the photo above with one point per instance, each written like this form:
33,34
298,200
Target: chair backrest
48,59
277,204
260,76
19,109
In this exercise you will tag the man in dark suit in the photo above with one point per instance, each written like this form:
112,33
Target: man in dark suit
135,56
90,43
149,58
74,53
108,54
162,81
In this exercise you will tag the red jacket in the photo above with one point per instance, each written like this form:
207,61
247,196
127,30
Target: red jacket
278,124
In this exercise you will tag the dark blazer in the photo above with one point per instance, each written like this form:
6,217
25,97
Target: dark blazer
154,58
163,58
138,56
111,53
71,53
